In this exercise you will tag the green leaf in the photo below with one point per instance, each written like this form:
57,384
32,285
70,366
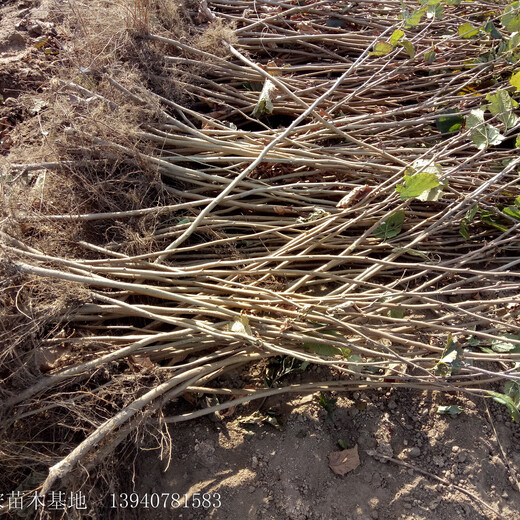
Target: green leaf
512,390
451,360
515,80
434,11
473,341
342,444
391,227
492,30
488,217
502,105
324,349
511,17
382,49
449,123
464,223
430,56
512,211
183,221
463,229
329,404
470,215
507,402
396,36
413,19
398,312
416,185
513,42
408,47
466,30
449,410
482,135
502,345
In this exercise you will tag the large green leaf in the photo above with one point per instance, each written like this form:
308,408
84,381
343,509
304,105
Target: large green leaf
392,226
482,134
416,185
511,17
501,104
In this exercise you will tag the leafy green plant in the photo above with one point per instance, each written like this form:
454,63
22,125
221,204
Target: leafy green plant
328,404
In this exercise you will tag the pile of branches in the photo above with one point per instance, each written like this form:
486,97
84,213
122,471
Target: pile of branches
337,187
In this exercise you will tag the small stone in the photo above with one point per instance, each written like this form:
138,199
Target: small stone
392,405
413,452
35,29
505,494
374,515
455,449
254,462
462,457
252,489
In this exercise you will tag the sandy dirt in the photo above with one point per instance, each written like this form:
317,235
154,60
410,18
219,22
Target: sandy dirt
261,472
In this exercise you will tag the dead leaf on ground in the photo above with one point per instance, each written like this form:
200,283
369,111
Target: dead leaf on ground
140,363
344,461
355,195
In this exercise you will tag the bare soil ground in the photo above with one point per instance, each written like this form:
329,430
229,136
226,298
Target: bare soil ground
260,471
